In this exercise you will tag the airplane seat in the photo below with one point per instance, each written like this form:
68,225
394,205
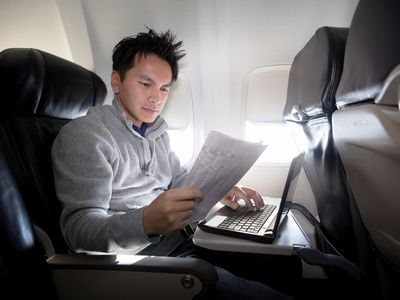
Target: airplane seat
313,79
366,129
23,270
41,93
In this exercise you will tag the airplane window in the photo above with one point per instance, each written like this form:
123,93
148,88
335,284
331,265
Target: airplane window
263,101
278,136
178,113
182,143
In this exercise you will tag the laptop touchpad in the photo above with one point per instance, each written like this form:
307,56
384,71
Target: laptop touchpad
215,221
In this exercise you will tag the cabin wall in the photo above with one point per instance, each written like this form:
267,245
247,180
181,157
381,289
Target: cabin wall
36,24
224,41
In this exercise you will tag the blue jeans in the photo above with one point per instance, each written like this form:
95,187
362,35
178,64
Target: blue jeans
229,285
233,287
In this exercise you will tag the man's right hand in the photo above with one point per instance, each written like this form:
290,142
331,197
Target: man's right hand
170,211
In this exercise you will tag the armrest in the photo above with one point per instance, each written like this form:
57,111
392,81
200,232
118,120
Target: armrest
81,276
390,90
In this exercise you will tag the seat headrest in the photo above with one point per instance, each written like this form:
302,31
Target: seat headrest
315,74
372,51
34,82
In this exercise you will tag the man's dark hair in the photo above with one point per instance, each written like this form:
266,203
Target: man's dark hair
161,44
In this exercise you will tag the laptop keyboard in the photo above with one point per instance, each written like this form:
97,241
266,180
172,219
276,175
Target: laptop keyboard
245,220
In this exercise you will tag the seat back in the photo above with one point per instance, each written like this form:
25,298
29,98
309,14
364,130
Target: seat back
313,79
23,269
40,93
366,129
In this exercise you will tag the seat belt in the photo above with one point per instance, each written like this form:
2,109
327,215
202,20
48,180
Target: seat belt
169,242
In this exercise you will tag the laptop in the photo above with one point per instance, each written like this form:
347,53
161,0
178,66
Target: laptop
260,225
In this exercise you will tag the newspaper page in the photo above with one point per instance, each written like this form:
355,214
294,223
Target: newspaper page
221,163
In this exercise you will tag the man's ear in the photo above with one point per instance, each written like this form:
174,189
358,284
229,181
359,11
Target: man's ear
115,81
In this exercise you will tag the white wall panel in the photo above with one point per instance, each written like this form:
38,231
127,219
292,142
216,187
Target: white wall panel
33,24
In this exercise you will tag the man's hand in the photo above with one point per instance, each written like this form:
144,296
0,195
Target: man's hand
170,211
252,199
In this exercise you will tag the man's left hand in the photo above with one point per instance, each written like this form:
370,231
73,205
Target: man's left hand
252,198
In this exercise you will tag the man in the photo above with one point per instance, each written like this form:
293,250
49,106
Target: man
114,170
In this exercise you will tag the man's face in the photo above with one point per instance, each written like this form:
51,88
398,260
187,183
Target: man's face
143,92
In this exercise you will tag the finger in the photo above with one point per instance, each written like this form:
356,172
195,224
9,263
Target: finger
255,196
182,224
183,194
182,219
190,193
183,215
240,193
249,203
171,220
228,202
185,205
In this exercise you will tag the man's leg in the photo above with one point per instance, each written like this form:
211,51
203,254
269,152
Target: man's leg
229,285
233,287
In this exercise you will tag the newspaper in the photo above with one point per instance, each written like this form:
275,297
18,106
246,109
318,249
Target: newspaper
221,163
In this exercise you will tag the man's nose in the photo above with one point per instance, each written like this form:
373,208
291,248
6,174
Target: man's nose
155,97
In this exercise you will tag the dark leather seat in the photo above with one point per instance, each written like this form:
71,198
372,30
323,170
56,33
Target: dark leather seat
23,269
41,93
313,81
366,131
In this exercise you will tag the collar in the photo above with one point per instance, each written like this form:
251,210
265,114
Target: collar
141,130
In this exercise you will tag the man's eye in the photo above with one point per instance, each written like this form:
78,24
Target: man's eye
146,84
165,90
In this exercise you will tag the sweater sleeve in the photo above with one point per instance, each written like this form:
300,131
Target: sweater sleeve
83,158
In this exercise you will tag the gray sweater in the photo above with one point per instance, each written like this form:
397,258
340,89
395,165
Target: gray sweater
105,174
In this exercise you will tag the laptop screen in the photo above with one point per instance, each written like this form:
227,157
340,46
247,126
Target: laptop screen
288,190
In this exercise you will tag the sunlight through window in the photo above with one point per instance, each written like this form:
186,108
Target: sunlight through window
182,143
281,145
